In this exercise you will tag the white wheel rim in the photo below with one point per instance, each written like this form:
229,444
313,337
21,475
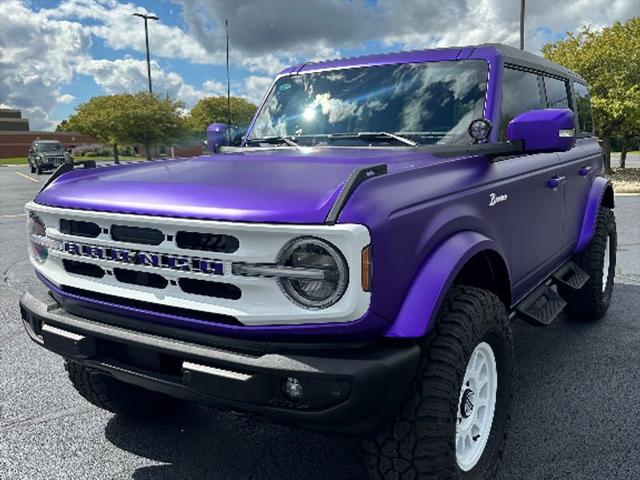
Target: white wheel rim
605,266
476,406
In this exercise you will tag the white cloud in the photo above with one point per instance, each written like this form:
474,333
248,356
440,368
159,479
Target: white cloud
43,50
214,88
114,22
300,31
256,87
37,56
130,75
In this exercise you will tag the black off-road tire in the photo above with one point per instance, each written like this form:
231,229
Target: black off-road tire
32,169
418,440
39,170
115,396
592,300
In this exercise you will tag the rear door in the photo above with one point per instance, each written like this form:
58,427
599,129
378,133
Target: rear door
580,163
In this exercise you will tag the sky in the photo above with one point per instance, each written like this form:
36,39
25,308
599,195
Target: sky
54,55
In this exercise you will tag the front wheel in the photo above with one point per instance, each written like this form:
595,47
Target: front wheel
32,169
454,419
39,170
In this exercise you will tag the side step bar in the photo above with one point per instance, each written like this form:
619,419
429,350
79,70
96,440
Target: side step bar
541,306
544,304
571,275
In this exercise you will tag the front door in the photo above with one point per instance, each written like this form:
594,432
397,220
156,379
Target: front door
534,190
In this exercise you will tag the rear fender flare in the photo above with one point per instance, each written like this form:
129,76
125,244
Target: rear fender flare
601,190
429,287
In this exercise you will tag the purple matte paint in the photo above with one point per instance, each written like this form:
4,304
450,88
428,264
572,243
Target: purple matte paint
542,130
427,216
596,193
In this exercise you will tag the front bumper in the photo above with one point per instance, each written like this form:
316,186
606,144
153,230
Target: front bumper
346,389
47,164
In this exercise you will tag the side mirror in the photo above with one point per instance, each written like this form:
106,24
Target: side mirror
548,130
218,135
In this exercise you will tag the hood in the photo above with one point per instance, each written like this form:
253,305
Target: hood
268,185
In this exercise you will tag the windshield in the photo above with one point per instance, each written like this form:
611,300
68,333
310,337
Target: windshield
425,102
49,147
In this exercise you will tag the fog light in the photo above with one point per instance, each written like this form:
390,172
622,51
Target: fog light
292,388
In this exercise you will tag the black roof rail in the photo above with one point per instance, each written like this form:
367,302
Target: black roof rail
358,176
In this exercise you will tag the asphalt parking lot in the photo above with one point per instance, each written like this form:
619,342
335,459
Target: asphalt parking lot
575,410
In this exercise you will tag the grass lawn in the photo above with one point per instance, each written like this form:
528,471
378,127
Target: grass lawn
23,160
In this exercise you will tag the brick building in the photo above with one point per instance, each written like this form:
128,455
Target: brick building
15,136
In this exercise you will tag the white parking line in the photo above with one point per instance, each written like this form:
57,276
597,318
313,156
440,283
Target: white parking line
28,177
12,215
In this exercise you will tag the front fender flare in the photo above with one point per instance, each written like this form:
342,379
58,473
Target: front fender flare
421,304
594,200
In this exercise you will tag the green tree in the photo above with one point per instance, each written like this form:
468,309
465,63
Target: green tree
126,119
609,59
214,109
153,120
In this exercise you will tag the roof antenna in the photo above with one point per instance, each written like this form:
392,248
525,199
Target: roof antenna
226,23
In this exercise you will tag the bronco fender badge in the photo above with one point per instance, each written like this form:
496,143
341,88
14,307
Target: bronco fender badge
494,199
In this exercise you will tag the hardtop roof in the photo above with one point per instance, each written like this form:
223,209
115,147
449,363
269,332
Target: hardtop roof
510,55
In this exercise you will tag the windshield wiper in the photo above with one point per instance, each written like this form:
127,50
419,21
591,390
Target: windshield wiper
373,136
275,140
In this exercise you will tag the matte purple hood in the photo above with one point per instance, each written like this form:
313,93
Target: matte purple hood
270,185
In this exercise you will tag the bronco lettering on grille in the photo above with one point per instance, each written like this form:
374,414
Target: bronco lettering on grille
136,257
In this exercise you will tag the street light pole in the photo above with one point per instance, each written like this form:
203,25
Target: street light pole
522,24
146,37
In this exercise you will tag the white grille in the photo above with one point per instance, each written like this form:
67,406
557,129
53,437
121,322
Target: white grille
262,301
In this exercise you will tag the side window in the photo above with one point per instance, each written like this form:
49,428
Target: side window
520,92
583,105
556,93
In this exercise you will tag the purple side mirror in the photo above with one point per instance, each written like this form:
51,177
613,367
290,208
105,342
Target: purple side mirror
216,136
549,130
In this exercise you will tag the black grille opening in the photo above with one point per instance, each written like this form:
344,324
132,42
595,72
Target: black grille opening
157,308
210,289
79,228
82,268
208,242
145,279
144,235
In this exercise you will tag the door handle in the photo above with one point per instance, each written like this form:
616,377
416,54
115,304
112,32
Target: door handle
556,181
585,170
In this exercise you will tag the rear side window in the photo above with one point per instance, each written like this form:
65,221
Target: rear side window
520,92
556,93
583,105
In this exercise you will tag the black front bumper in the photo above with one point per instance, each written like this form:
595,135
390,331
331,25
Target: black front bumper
345,389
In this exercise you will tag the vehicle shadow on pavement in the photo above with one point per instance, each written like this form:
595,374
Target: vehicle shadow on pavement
574,382
201,443
570,411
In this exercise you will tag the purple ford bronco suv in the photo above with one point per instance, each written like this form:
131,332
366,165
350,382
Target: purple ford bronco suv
351,265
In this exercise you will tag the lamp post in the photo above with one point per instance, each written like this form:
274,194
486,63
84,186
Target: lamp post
522,24
146,37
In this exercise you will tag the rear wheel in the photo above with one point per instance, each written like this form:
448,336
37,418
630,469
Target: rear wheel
598,259
454,420
115,396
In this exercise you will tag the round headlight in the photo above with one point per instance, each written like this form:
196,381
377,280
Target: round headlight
36,232
314,254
